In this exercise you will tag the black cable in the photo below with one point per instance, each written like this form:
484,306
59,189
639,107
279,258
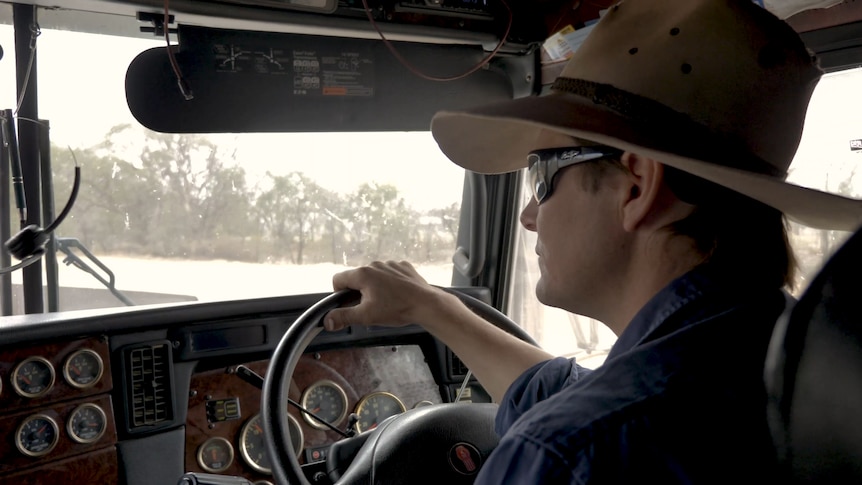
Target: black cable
23,264
69,203
29,243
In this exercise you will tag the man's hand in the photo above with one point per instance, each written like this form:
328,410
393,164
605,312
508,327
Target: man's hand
393,294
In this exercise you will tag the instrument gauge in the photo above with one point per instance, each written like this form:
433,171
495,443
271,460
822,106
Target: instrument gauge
37,435
297,440
215,455
376,407
252,445
327,400
87,423
83,368
33,377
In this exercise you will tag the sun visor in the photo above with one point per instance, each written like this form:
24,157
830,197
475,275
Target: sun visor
272,82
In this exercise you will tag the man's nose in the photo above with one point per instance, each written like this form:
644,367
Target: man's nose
528,215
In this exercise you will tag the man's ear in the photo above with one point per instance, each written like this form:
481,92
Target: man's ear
645,193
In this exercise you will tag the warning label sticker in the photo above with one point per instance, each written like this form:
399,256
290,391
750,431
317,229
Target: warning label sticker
325,74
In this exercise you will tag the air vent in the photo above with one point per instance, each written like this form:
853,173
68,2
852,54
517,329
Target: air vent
148,381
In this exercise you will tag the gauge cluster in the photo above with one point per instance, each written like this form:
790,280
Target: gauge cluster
35,376
39,433
354,388
76,436
53,372
55,404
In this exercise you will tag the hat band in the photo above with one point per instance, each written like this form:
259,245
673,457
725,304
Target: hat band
651,113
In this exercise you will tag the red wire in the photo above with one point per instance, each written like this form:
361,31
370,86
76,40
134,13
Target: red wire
386,42
176,67
416,71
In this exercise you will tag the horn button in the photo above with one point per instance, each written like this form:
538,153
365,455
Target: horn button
442,443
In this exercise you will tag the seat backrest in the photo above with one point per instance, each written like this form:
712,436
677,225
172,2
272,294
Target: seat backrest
813,376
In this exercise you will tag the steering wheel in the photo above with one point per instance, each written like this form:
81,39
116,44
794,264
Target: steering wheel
442,443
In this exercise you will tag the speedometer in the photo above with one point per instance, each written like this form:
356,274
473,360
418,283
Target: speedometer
252,442
326,400
376,407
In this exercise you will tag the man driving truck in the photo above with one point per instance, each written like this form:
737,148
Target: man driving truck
657,165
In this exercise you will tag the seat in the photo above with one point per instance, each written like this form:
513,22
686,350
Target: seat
813,376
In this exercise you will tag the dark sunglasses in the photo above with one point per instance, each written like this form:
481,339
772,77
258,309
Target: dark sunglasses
543,165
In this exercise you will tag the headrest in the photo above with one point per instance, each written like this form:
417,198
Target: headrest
813,376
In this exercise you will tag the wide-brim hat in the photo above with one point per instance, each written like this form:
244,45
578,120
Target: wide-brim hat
715,88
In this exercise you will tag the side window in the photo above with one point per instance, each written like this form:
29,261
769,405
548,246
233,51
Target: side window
827,159
557,331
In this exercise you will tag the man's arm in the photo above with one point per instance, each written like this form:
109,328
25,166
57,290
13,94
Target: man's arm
394,294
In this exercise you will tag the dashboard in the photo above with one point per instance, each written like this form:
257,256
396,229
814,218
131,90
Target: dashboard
143,395
224,433
56,413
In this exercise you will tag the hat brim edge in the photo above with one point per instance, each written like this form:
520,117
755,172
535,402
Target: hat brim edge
496,139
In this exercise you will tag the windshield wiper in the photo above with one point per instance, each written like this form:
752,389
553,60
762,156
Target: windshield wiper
65,244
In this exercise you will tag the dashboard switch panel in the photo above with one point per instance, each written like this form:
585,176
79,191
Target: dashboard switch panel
219,410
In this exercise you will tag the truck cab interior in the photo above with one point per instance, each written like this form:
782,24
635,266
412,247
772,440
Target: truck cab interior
187,176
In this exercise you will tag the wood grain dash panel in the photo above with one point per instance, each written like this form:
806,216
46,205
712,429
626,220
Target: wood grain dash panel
13,460
400,370
56,353
92,468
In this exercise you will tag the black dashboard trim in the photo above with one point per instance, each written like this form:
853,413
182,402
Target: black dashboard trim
35,328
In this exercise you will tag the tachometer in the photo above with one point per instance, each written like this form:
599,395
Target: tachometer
215,455
327,400
376,407
87,423
252,445
83,368
33,377
37,435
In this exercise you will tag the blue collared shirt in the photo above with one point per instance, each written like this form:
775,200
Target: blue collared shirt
680,398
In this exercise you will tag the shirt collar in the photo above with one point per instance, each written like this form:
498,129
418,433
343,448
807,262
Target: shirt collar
679,293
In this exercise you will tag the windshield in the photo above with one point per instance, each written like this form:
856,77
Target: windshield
226,216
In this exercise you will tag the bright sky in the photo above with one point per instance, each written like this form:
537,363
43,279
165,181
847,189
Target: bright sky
81,91
834,118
